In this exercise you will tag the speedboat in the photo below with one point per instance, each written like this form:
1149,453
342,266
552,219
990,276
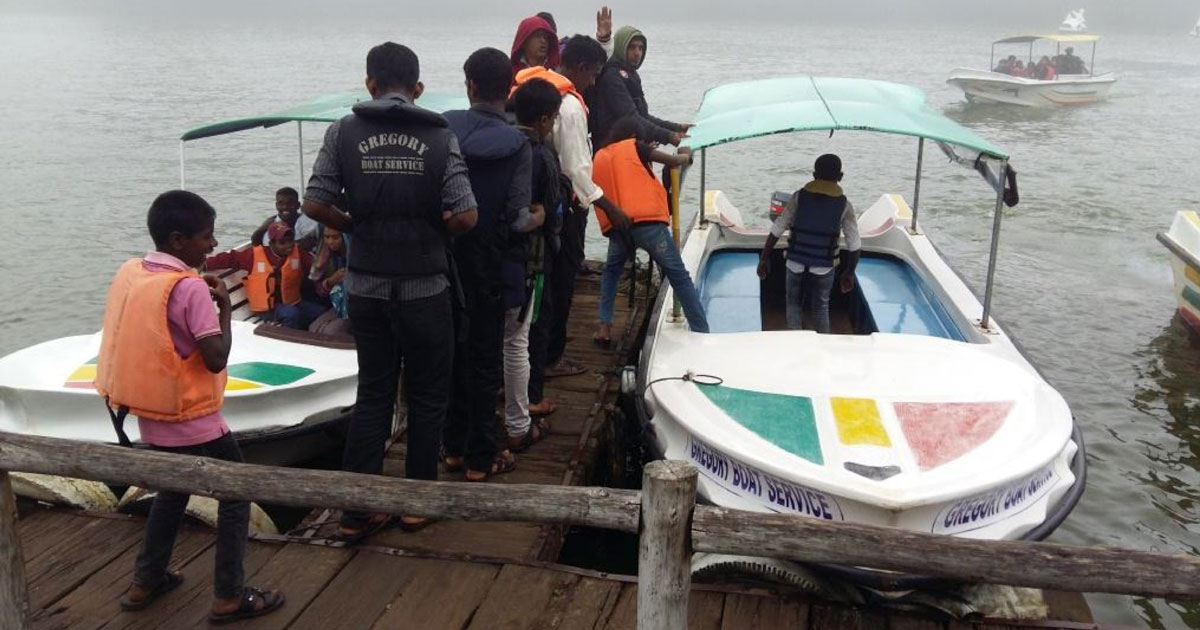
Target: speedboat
1195,32
920,412
1073,23
1183,241
289,391
991,86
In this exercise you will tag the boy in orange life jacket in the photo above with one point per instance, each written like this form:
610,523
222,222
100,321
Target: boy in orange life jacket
162,357
622,170
273,277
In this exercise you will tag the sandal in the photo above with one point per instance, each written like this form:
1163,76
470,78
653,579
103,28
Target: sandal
413,526
504,462
348,536
249,606
543,408
453,463
604,343
539,430
563,367
171,580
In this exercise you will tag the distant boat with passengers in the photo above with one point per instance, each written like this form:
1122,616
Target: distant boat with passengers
1058,81
919,412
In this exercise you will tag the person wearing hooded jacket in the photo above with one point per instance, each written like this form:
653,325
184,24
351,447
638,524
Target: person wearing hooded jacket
618,94
500,166
535,44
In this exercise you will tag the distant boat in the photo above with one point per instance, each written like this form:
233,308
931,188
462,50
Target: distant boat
1073,23
1076,85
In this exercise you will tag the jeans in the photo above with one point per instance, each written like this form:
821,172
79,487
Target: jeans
516,371
539,340
817,288
166,513
298,315
567,263
471,428
419,334
655,238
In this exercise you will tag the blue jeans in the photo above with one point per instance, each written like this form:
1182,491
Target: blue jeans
298,315
818,289
655,238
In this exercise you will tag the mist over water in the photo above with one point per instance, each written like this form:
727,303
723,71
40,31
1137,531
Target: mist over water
91,108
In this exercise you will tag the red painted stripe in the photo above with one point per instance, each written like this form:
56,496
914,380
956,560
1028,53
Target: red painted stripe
939,433
1191,318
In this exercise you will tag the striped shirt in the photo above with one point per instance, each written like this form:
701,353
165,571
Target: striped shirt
325,187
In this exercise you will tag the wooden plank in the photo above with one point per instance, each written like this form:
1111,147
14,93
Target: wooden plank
844,618
1067,606
592,603
519,597
752,612
439,594
705,610
624,614
906,622
14,599
94,602
69,563
358,594
493,540
41,535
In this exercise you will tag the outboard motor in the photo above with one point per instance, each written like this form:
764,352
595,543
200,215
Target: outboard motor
779,200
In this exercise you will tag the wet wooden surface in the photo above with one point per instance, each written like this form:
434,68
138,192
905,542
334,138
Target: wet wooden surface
452,575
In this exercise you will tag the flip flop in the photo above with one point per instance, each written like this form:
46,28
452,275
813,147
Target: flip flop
446,457
248,607
602,342
373,525
414,526
171,580
500,465
564,367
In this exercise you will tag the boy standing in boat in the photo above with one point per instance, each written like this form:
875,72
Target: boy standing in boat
815,215
162,358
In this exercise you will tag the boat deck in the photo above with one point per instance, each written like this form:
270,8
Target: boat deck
452,575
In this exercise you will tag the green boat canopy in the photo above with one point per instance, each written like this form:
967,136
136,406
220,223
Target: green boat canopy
323,109
749,109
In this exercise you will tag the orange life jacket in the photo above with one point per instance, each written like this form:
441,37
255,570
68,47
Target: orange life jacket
625,180
138,366
561,83
266,286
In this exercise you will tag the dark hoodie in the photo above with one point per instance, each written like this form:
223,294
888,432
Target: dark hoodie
618,93
527,28
498,160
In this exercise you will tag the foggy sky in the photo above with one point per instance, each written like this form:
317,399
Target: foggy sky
1102,15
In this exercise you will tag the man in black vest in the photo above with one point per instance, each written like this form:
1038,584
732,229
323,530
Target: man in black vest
499,161
406,192
815,215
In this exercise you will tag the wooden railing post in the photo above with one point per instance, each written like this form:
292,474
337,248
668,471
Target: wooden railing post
664,545
14,602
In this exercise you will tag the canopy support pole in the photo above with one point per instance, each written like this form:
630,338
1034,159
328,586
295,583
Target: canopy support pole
917,187
703,215
182,181
300,138
674,179
1092,67
1030,52
992,62
991,271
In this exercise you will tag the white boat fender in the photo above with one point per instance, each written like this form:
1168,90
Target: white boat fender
77,493
715,567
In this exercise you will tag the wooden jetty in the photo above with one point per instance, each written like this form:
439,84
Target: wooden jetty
490,562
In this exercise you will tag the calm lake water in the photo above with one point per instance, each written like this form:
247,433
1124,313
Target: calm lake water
91,110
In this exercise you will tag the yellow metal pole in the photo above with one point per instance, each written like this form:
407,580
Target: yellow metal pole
675,308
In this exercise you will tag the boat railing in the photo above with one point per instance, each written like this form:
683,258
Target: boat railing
664,514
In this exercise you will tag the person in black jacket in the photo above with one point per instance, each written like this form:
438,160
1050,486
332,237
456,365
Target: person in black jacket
618,94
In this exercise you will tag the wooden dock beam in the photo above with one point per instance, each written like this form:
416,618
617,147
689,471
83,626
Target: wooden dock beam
664,545
14,604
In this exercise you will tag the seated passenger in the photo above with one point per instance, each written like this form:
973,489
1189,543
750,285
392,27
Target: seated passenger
815,215
1018,70
1045,69
287,210
328,269
1006,65
622,171
273,277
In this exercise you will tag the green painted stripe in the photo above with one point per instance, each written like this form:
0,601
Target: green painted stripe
274,374
788,422
1191,296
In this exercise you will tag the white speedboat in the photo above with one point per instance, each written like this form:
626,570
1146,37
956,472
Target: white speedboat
1195,32
993,86
1183,241
288,392
920,412
1074,22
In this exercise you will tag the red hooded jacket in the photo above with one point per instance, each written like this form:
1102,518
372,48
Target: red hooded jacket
528,27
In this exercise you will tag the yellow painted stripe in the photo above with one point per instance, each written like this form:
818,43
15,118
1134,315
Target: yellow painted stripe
1193,217
83,373
1191,274
235,384
902,209
858,422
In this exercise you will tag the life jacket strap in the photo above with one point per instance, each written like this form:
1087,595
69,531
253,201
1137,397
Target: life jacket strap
118,421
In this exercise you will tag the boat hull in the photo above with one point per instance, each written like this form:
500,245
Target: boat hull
862,463
1183,241
994,87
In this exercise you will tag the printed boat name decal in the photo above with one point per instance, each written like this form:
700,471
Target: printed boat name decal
1001,504
771,492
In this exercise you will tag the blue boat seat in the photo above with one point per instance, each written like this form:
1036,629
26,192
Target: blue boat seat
729,291
899,301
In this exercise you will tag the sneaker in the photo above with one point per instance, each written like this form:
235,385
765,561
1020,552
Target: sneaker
564,367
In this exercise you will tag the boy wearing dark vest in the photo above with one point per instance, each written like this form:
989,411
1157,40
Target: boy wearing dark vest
815,215
162,358
622,170
274,276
